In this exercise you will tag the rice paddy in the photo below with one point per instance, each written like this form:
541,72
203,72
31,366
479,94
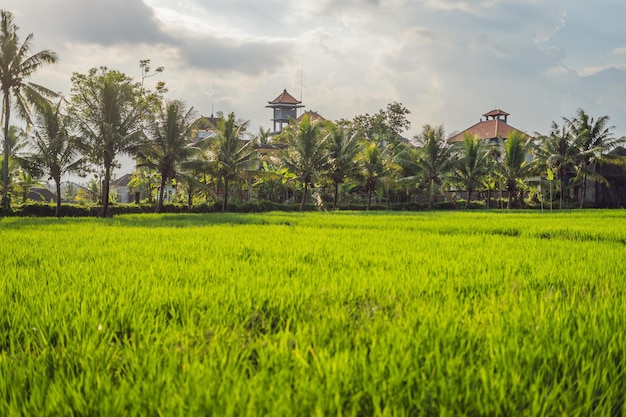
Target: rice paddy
439,313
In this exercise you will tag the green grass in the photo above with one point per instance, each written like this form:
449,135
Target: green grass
459,313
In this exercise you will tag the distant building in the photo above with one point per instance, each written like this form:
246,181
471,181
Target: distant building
42,195
493,128
285,108
612,194
313,116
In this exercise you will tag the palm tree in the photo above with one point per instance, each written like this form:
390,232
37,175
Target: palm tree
471,165
305,155
592,139
372,168
233,154
167,144
514,167
557,153
16,66
343,149
434,159
17,140
55,150
110,111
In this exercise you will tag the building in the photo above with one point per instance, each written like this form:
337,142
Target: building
493,128
285,108
612,193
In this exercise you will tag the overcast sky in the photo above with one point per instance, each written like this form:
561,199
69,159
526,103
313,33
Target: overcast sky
447,61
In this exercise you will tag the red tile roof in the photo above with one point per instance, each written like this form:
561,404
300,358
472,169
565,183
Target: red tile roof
285,98
495,113
313,115
486,129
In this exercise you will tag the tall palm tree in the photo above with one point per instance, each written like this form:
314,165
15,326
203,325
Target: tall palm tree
343,149
110,112
372,162
16,66
472,164
557,153
233,154
434,159
305,155
167,143
593,139
514,167
55,150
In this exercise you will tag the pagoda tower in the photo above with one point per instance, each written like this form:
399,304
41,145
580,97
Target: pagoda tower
285,108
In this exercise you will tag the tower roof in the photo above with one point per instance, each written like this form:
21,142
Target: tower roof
495,113
285,98
491,128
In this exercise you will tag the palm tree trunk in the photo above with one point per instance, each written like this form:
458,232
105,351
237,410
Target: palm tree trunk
105,191
6,199
469,197
336,195
369,199
161,194
432,193
57,211
189,199
304,196
584,196
225,200
562,196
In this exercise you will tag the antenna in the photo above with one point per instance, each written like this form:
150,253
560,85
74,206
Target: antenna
301,81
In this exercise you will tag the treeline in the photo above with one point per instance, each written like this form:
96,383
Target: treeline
360,161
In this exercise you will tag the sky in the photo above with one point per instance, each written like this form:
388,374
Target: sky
447,61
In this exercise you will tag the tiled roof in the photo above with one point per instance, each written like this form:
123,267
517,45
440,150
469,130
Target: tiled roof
313,115
285,98
122,181
486,129
495,113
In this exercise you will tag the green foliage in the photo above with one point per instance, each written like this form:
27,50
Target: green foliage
231,314
16,67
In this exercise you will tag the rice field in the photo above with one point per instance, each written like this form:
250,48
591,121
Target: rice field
283,314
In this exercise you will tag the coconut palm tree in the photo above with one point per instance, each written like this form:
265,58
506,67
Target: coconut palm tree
593,138
110,112
514,167
556,152
16,66
55,151
167,143
372,162
471,164
233,154
434,159
305,155
343,149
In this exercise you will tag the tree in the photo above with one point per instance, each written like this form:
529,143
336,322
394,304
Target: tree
110,111
434,159
514,167
305,155
556,153
167,144
234,155
372,168
383,127
343,149
592,139
55,150
16,66
471,164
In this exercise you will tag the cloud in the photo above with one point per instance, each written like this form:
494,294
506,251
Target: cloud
95,22
254,57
